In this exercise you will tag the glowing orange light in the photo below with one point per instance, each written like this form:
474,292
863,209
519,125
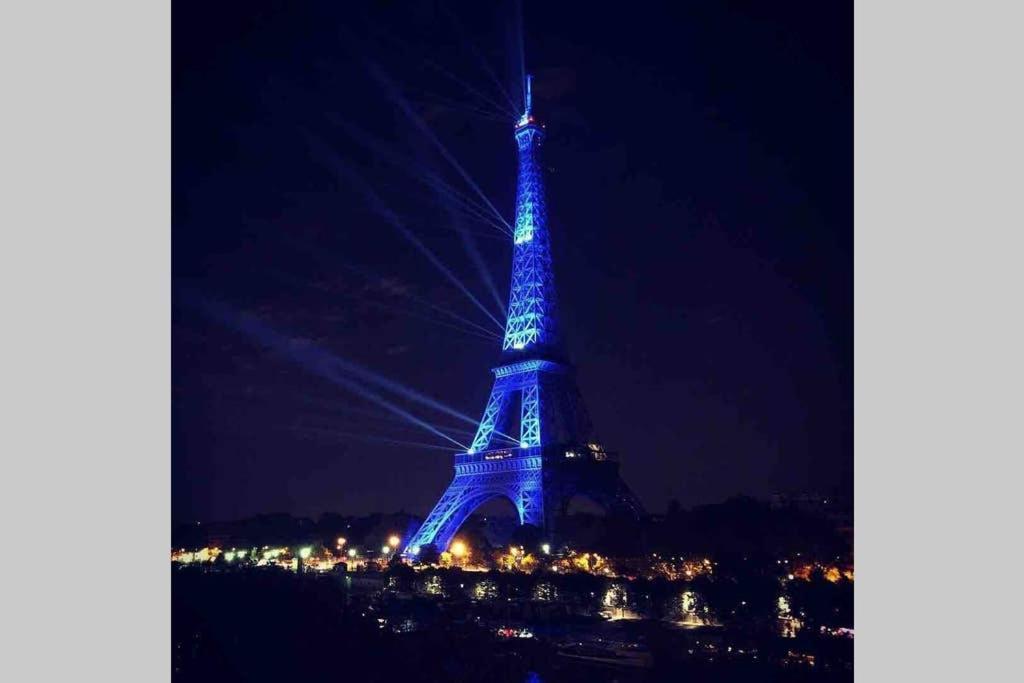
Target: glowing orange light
458,549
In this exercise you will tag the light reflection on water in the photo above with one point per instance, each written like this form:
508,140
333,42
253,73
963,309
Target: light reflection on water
533,677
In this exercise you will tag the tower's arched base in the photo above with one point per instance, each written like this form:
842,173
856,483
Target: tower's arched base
538,481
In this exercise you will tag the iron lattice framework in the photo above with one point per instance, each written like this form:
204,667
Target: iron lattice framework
531,309
553,457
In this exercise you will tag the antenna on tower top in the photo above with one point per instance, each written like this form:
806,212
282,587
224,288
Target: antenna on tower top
527,114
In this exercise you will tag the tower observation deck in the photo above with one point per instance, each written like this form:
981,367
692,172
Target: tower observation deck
554,456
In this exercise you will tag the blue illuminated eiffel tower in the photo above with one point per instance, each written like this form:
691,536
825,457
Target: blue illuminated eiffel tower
554,456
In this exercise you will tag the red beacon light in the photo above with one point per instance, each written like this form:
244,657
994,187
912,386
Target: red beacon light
524,120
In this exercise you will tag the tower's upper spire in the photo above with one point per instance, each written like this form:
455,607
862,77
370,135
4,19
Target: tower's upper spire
527,116
532,327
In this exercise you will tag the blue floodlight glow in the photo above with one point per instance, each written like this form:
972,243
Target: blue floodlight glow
550,411
384,211
396,96
531,308
337,370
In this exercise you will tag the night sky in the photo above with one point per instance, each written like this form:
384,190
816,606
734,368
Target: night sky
700,194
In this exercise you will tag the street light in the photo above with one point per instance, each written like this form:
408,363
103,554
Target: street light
385,549
458,549
351,552
341,541
546,548
394,540
304,553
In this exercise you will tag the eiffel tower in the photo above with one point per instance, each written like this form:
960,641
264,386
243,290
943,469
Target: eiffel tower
554,456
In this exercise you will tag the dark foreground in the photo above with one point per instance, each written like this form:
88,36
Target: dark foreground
270,625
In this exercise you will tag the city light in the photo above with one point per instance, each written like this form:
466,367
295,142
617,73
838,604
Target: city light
341,541
385,549
546,548
352,552
393,541
458,549
304,553
229,556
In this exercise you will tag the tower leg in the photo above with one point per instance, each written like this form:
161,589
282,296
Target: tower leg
529,425
457,502
530,499
519,480
492,413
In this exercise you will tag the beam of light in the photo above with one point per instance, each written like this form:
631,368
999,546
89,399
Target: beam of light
446,103
471,249
383,35
464,432
469,245
521,48
318,255
476,328
466,205
401,390
477,260
468,215
406,392
480,58
324,364
481,267
344,409
466,326
463,203
385,212
395,96
469,87
371,438
335,409
471,328
422,301
424,175
372,396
